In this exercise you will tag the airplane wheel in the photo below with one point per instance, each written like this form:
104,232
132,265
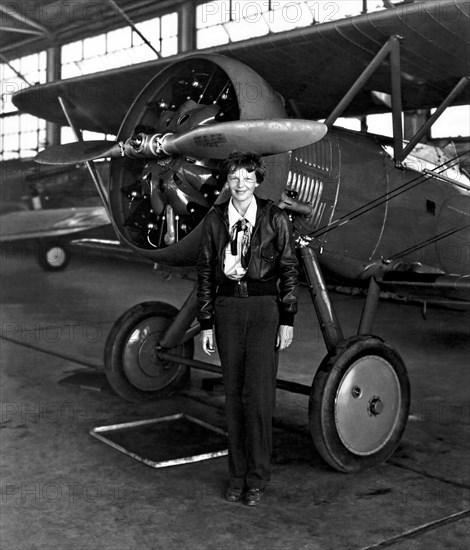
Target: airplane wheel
359,404
131,365
53,256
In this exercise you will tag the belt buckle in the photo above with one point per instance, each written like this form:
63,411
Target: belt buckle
242,289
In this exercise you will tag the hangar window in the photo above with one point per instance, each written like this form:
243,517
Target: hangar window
121,47
454,122
223,21
20,134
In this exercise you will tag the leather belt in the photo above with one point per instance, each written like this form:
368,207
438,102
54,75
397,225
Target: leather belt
245,288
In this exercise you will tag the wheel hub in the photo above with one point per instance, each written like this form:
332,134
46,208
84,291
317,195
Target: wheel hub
55,256
367,405
376,406
141,364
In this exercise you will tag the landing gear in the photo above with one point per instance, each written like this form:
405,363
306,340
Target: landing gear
360,396
359,399
359,404
53,255
131,363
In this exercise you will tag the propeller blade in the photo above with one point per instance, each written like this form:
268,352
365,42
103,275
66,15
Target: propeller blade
265,137
79,151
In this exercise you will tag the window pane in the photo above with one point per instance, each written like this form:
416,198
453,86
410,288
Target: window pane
170,25
93,65
454,122
351,123
212,13
94,46
42,62
116,48
119,39
213,36
5,72
72,52
169,46
241,30
29,64
42,136
11,125
9,87
151,30
70,70
66,135
89,136
28,142
115,59
290,16
138,54
381,124
251,10
28,123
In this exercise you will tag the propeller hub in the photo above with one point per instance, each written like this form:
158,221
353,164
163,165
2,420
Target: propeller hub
145,146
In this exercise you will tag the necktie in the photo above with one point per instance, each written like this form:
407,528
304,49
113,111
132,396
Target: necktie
241,225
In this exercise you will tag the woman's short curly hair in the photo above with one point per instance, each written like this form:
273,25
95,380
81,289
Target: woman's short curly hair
242,159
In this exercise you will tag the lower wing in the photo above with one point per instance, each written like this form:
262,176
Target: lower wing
33,224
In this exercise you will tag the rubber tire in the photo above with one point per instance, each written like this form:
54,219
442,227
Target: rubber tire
115,346
323,398
45,246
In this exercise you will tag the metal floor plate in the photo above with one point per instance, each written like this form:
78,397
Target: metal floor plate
167,441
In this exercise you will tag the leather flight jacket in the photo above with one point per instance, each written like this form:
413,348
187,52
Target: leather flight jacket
272,265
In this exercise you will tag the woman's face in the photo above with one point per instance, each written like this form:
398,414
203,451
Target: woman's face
242,184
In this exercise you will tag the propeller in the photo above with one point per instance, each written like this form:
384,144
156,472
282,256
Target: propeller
215,141
79,151
265,137
164,173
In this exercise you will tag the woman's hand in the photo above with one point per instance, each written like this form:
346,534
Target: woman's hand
285,334
207,341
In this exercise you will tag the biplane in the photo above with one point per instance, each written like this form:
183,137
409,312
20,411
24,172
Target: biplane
47,210
367,210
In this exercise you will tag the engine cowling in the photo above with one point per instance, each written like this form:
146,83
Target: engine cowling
158,204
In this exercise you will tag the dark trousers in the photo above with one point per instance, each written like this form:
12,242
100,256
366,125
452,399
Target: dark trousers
246,330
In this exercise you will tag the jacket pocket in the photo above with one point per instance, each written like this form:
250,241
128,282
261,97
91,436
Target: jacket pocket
269,253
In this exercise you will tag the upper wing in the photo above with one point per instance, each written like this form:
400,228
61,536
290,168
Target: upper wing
16,226
313,67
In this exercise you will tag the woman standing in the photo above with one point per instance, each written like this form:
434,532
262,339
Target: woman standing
247,290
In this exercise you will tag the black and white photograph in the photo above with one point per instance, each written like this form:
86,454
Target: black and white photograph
235,275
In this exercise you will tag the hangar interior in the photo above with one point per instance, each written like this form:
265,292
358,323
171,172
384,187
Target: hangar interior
47,41
64,489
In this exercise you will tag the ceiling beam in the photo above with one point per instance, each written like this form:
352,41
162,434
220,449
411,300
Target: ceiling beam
129,21
21,31
10,12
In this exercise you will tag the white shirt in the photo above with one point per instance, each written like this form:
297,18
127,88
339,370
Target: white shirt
233,264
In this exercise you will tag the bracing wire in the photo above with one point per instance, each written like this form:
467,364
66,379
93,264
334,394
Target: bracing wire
374,203
429,241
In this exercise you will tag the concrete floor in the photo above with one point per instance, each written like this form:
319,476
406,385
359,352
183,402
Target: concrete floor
63,489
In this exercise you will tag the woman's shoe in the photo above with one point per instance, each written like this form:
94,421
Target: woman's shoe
253,497
234,494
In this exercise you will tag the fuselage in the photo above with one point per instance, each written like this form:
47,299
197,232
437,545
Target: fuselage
366,209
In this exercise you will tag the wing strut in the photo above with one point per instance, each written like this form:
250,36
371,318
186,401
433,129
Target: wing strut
392,48
101,188
459,87
385,50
